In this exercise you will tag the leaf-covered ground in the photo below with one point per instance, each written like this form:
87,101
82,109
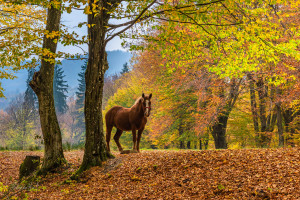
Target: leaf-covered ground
222,174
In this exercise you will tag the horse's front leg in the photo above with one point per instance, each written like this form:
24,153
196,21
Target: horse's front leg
139,139
134,140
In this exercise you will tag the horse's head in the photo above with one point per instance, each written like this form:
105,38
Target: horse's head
146,104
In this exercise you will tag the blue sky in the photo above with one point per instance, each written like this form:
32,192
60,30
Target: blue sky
71,21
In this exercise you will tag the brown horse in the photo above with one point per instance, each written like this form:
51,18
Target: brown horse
126,119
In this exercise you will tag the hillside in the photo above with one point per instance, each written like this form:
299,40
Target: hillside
210,174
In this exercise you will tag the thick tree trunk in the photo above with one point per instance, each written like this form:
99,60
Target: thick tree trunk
42,85
95,147
219,132
219,128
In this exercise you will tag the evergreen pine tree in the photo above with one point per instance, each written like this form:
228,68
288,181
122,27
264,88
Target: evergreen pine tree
30,99
80,95
60,88
125,68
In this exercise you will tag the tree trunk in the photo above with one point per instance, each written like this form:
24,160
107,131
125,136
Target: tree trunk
206,140
253,103
263,139
219,132
262,104
206,144
219,128
95,147
180,132
271,119
188,145
42,85
266,124
288,118
200,144
181,145
279,125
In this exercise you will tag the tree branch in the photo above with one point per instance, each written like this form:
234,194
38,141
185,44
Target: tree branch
132,22
140,18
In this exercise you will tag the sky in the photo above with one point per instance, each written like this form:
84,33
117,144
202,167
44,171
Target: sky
71,21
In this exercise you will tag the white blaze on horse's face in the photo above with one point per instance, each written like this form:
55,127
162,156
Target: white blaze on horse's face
147,112
146,104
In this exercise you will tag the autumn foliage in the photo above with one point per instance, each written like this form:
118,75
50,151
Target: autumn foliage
223,174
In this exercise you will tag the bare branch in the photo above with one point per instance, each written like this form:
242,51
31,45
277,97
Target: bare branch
140,18
206,24
131,24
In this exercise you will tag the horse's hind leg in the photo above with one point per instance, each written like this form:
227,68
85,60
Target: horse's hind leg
108,134
117,137
139,139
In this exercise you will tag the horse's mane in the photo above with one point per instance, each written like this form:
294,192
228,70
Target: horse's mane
137,101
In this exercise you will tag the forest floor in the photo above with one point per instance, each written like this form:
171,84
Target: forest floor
165,174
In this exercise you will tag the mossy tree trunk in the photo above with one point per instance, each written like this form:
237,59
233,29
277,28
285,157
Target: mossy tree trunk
42,85
95,147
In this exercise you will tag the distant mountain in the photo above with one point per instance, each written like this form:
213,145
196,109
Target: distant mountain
71,68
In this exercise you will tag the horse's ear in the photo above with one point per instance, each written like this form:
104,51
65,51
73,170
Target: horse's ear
143,95
150,96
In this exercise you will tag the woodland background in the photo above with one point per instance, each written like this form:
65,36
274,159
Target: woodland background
243,95
223,75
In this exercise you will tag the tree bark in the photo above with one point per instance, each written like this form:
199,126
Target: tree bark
29,165
253,103
180,132
262,104
188,145
263,139
266,124
200,143
42,85
271,119
279,125
288,118
205,141
219,128
95,147
219,132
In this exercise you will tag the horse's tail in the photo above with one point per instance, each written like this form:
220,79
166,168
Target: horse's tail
109,121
